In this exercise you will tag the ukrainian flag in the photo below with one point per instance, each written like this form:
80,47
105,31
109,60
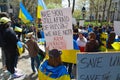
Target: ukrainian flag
24,14
47,72
20,47
72,54
41,6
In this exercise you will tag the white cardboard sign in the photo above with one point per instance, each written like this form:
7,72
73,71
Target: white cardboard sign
117,27
81,23
57,26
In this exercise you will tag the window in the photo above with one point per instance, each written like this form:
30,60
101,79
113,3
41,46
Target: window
4,0
115,5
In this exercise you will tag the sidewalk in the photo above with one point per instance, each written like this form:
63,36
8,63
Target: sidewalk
23,67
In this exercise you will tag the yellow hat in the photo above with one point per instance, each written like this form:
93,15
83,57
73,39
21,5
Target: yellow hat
4,20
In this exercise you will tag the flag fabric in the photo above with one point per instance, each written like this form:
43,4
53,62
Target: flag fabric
24,15
41,6
72,54
18,29
116,46
20,47
48,72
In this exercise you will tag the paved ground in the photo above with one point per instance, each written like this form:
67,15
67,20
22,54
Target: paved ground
23,68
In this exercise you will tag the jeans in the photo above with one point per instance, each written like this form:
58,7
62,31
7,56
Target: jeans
10,60
3,58
33,61
16,61
69,67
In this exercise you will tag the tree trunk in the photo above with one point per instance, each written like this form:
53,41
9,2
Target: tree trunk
96,16
68,3
73,6
108,12
104,8
30,5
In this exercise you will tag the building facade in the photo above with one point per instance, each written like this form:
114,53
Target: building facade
5,6
114,12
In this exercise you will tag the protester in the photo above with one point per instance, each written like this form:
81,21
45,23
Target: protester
75,33
3,14
81,41
102,41
68,65
53,69
9,47
33,49
92,45
90,28
110,40
98,32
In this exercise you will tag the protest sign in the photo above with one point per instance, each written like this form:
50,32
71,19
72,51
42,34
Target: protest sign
74,22
104,66
81,23
117,27
57,26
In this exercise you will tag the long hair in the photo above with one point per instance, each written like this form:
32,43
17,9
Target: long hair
92,35
54,61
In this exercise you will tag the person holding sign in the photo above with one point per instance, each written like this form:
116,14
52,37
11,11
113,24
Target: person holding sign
81,41
92,45
53,69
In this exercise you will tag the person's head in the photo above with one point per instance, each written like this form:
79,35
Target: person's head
29,35
111,39
80,34
92,36
111,36
100,30
54,57
95,28
3,14
5,22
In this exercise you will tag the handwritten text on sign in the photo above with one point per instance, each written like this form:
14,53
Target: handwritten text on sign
98,66
57,26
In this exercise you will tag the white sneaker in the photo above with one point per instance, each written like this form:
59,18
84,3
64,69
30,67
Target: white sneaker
16,75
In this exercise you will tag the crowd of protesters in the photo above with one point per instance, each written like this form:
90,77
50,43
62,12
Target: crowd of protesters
88,39
103,36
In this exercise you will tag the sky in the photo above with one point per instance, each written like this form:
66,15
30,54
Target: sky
65,4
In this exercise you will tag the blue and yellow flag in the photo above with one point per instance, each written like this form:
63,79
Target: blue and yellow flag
47,72
24,15
41,6
69,56
20,47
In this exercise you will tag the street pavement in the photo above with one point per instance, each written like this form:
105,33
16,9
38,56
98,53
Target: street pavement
23,67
